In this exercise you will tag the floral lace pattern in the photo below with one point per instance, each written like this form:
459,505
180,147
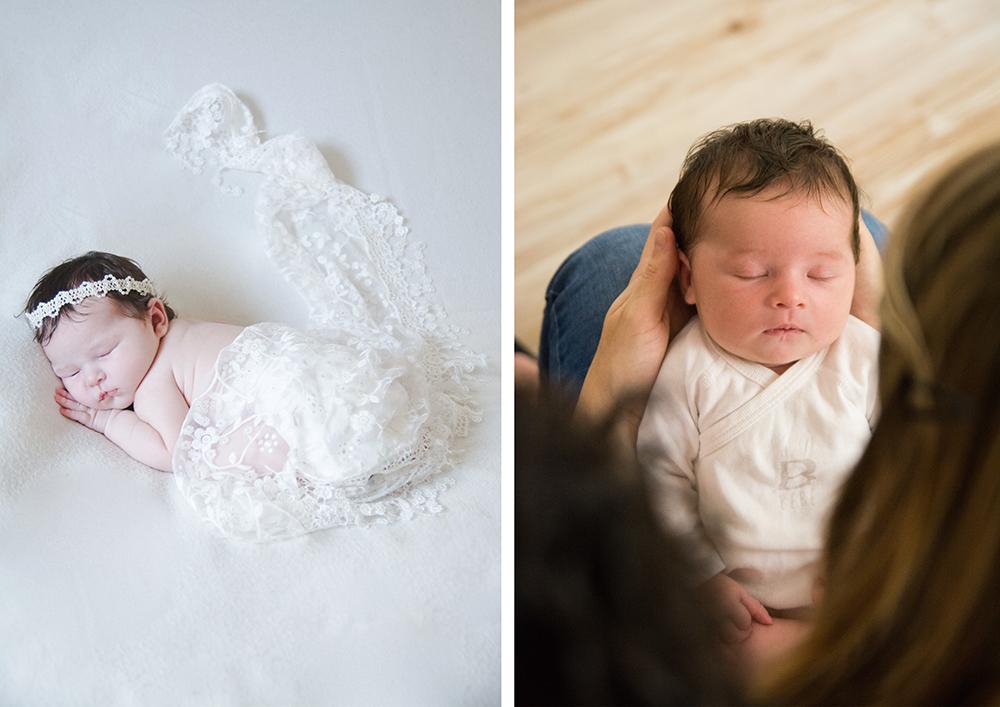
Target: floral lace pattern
98,288
343,424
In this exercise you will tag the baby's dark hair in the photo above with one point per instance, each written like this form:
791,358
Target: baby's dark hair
90,267
746,158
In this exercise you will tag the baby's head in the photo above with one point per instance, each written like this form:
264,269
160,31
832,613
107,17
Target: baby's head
766,220
99,323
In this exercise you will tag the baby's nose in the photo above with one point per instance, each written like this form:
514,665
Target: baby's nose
787,293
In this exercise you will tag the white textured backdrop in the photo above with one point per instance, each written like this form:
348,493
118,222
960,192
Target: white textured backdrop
111,591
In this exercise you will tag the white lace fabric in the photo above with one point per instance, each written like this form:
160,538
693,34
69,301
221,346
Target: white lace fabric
350,422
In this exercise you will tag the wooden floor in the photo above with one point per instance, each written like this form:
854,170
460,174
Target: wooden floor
611,93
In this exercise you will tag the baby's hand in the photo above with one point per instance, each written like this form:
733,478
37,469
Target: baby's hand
735,610
96,420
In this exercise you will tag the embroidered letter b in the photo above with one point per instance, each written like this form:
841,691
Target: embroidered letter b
798,473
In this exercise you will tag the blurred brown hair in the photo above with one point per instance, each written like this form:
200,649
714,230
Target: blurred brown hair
746,158
911,611
604,608
89,267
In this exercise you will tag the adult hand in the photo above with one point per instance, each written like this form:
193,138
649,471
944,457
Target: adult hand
636,331
868,280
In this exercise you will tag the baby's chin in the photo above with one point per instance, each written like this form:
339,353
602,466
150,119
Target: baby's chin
118,402
776,359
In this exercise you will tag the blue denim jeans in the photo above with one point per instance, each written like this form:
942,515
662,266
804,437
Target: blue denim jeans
582,290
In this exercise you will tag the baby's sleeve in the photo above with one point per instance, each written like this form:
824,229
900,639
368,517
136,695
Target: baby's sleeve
667,447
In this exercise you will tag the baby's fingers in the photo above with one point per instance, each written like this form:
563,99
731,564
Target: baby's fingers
77,415
757,611
736,623
738,615
67,402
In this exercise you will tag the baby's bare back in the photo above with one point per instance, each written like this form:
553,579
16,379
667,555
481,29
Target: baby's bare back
186,361
189,351
181,371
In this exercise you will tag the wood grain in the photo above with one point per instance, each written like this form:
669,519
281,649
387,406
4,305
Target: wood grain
610,94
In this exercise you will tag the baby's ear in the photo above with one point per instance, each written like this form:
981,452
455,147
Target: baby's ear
157,314
684,276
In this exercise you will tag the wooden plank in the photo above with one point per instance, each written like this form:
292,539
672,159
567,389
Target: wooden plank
610,94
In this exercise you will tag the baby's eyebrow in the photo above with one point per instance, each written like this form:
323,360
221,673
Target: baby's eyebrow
101,345
832,254
744,252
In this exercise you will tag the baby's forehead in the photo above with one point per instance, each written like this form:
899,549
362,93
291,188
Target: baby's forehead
783,229
828,201
757,215
86,322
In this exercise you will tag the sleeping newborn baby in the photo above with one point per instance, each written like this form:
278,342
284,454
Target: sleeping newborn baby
300,430
129,367
766,400
272,431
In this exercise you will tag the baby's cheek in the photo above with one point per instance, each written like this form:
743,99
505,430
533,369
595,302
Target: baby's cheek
844,292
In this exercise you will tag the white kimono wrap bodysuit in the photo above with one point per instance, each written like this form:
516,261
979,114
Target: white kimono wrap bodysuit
747,464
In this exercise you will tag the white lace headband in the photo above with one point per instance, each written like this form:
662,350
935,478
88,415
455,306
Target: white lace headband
99,288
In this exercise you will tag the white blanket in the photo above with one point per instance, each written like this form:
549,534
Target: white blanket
113,592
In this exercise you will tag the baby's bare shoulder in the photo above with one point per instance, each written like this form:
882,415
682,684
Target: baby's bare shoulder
193,334
190,349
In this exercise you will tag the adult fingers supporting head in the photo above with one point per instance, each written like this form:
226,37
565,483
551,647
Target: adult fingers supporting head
655,238
664,218
649,285
869,282
633,337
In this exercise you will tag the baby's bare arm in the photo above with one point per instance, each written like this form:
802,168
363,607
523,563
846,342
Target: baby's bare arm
138,439
162,407
148,441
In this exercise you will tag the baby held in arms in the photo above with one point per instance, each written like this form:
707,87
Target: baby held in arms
767,398
129,368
